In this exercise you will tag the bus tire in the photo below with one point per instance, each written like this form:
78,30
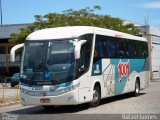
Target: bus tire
96,97
137,88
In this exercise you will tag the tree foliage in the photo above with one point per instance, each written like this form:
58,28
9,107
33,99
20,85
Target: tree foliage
82,17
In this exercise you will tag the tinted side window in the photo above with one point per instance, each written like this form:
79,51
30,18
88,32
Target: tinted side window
85,54
99,51
121,48
140,49
130,49
111,47
143,50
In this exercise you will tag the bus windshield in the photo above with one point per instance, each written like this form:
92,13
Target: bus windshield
51,60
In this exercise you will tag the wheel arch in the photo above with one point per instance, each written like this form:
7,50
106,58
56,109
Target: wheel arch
97,83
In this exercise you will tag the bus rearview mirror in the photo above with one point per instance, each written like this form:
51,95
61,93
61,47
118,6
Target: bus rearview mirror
13,50
78,48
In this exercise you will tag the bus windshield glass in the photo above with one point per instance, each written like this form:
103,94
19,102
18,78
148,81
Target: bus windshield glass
51,60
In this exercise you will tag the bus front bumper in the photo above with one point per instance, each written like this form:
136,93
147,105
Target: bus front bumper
69,98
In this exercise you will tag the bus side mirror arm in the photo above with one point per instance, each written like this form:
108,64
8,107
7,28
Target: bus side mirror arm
78,48
13,50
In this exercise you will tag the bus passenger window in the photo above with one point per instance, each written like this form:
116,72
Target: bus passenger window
99,51
121,53
130,50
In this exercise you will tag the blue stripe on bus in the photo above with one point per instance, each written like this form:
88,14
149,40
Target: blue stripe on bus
135,65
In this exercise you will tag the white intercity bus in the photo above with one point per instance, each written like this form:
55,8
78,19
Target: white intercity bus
81,64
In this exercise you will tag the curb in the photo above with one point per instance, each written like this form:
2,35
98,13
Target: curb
155,80
9,104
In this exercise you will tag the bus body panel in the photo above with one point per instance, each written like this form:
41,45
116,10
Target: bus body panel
84,90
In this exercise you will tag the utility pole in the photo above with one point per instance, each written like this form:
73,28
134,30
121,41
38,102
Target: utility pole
146,19
1,10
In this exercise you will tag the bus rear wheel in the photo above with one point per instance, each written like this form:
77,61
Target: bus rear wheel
96,97
137,88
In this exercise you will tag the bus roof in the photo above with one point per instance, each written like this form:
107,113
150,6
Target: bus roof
76,31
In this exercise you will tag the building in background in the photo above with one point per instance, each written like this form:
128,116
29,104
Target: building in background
153,36
6,67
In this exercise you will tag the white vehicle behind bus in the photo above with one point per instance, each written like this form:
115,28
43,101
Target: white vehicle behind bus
80,64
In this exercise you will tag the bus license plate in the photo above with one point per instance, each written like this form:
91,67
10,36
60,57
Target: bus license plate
45,100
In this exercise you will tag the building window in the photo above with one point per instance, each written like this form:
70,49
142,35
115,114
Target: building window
9,49
2,50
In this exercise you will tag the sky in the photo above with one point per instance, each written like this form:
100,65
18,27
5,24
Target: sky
138,11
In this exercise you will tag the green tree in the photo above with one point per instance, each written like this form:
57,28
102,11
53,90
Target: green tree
82,17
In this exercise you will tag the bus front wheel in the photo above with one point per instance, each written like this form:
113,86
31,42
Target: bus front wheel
96,97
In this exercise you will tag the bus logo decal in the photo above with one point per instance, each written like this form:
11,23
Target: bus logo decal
123,69
97,70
